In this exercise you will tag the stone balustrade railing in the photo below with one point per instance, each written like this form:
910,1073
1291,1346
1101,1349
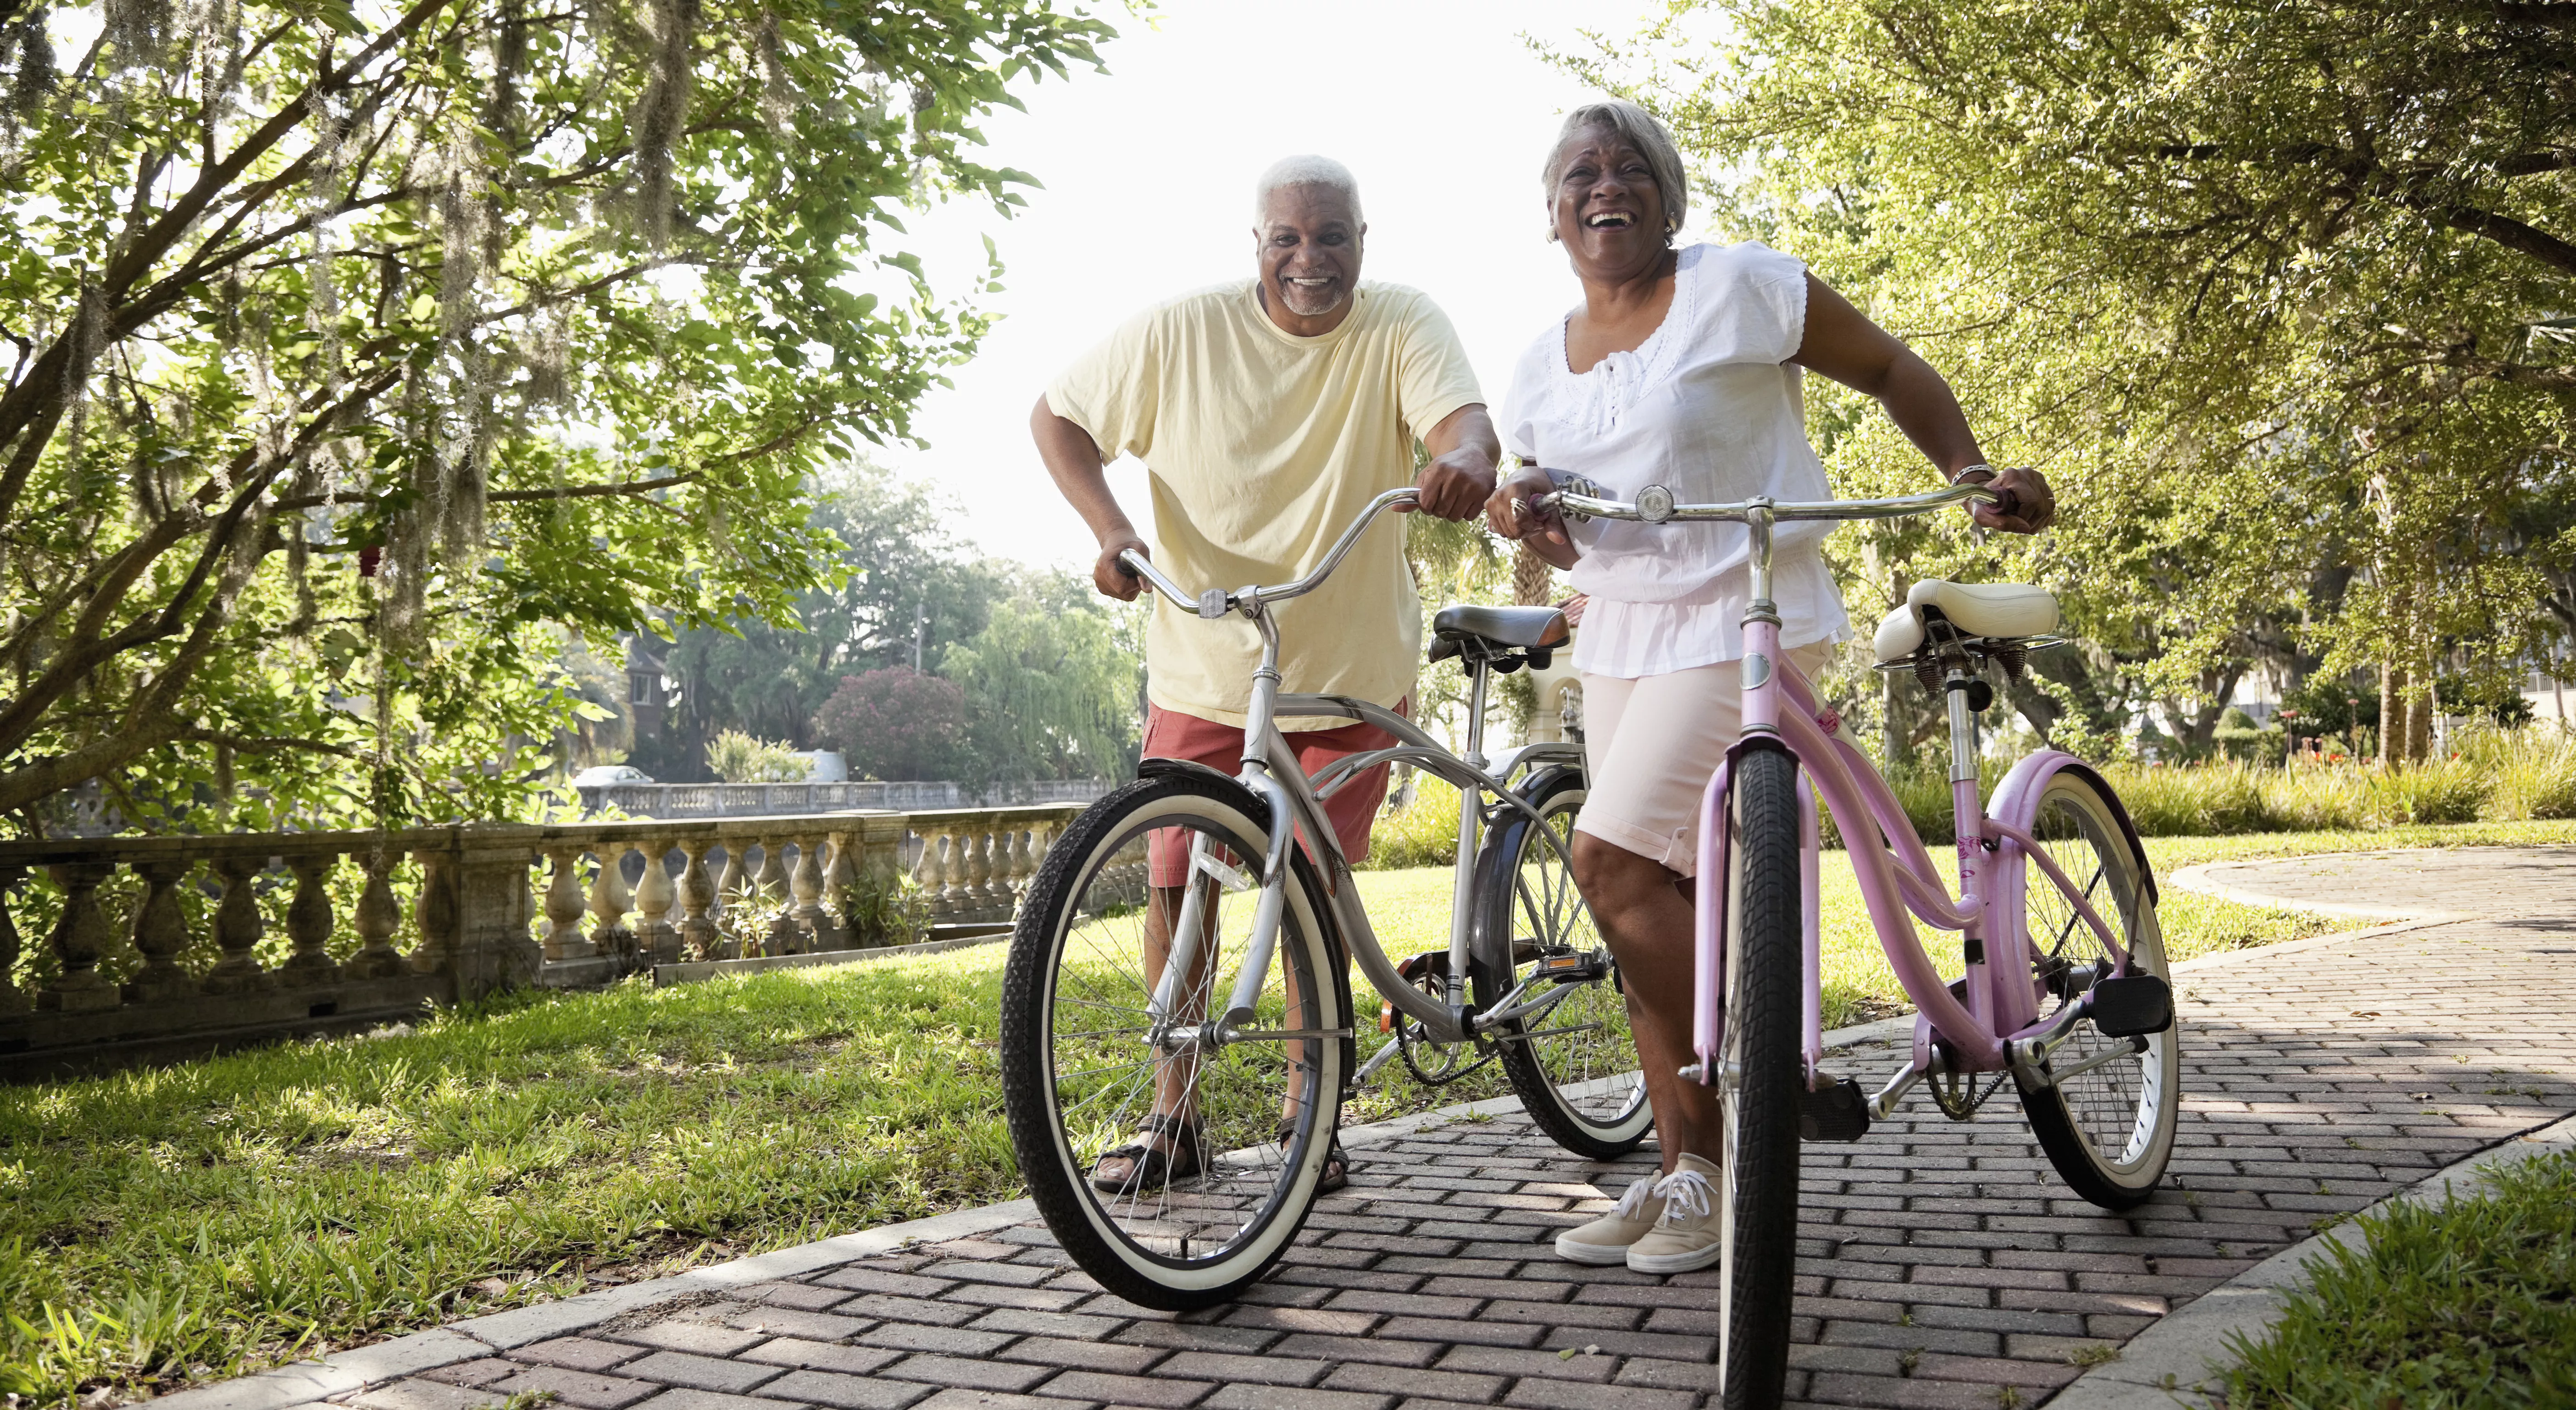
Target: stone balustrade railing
737,800
192,942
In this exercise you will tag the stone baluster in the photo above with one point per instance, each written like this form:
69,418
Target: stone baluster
12,998
80,935
1024,864
656,938
806,884
308,923
966,874
160,933
781,936
997,891
565,908
697,903
379,916
1003,888
437,914
736,878
841,882
610,901
237,930
930,873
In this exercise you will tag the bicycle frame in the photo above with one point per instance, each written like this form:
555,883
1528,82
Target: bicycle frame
1271,770
1998,1025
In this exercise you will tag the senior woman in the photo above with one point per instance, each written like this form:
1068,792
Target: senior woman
1681,368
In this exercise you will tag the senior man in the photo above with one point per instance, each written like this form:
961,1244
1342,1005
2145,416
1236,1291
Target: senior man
1268,412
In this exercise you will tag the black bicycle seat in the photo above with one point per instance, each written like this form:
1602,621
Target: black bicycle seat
1502,628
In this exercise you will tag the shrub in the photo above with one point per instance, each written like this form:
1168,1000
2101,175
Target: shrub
895,723
736,757
2192,801
1422,833
2442,791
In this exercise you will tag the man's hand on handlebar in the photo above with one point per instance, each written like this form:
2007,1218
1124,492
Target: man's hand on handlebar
1111,576
1453,485
2028,505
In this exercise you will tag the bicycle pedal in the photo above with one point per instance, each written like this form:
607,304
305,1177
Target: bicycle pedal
2131,1006
1834,1112
1571,967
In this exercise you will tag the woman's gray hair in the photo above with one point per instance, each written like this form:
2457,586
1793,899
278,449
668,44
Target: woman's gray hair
1639,129
1305,171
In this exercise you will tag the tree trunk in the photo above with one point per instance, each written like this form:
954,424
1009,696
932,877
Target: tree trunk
2419,719
1533,582
2393,706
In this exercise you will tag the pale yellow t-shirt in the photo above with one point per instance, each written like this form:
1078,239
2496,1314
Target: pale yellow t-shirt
1263,446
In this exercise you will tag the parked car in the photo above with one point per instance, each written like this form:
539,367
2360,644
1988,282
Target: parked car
605,775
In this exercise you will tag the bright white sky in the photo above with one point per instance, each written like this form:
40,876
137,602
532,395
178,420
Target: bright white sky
1438,106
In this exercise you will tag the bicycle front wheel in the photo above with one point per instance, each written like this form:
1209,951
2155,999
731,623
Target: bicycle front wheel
1192,1214
1760,1074
1574,1062
2108,1127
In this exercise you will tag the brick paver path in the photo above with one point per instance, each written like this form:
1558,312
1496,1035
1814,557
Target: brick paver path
1941,1264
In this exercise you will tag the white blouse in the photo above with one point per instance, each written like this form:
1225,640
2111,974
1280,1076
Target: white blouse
1709,408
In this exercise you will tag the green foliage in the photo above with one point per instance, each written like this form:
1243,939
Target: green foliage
902,588
736,757
1421,833
2469,1304
1053,685
362,351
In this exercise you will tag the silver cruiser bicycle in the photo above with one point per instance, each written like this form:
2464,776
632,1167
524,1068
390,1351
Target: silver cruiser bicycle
1175,1053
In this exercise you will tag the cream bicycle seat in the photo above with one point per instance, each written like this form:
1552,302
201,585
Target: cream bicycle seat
1999,610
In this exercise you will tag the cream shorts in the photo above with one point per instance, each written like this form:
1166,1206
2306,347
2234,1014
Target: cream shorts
1650,744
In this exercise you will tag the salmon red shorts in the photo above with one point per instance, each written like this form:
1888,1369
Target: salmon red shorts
1169,734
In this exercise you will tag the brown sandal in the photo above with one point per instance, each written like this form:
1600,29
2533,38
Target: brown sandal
1337,1166
1149,1166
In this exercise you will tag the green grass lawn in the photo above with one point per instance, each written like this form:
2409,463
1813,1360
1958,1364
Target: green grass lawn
2469,1305
210,1218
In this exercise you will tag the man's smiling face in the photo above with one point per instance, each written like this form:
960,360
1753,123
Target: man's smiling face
1309,247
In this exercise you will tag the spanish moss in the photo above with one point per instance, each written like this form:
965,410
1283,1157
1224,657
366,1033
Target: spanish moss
137,30
32,75
661,113
777,95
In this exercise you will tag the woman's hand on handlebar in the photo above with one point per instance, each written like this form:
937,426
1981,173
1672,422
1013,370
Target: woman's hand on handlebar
1509,513
1111,576
2027,504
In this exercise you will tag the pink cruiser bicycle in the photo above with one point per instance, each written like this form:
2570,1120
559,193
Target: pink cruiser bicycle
2065,987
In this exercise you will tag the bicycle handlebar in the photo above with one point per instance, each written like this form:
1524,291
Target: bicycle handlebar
1216,602
1578,499
1654,505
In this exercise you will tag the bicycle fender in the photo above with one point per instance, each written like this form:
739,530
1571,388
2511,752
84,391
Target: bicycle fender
2016,801
1486,945
1165,768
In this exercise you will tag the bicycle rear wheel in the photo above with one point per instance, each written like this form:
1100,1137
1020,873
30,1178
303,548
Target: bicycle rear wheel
2109,1128
1760,1076
1083,1069
1574,1064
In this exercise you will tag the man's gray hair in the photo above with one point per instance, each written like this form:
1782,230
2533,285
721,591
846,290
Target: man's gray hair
1305,171
1638,128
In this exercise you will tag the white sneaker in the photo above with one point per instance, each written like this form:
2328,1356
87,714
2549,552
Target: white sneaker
1604,1242
1686,1238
